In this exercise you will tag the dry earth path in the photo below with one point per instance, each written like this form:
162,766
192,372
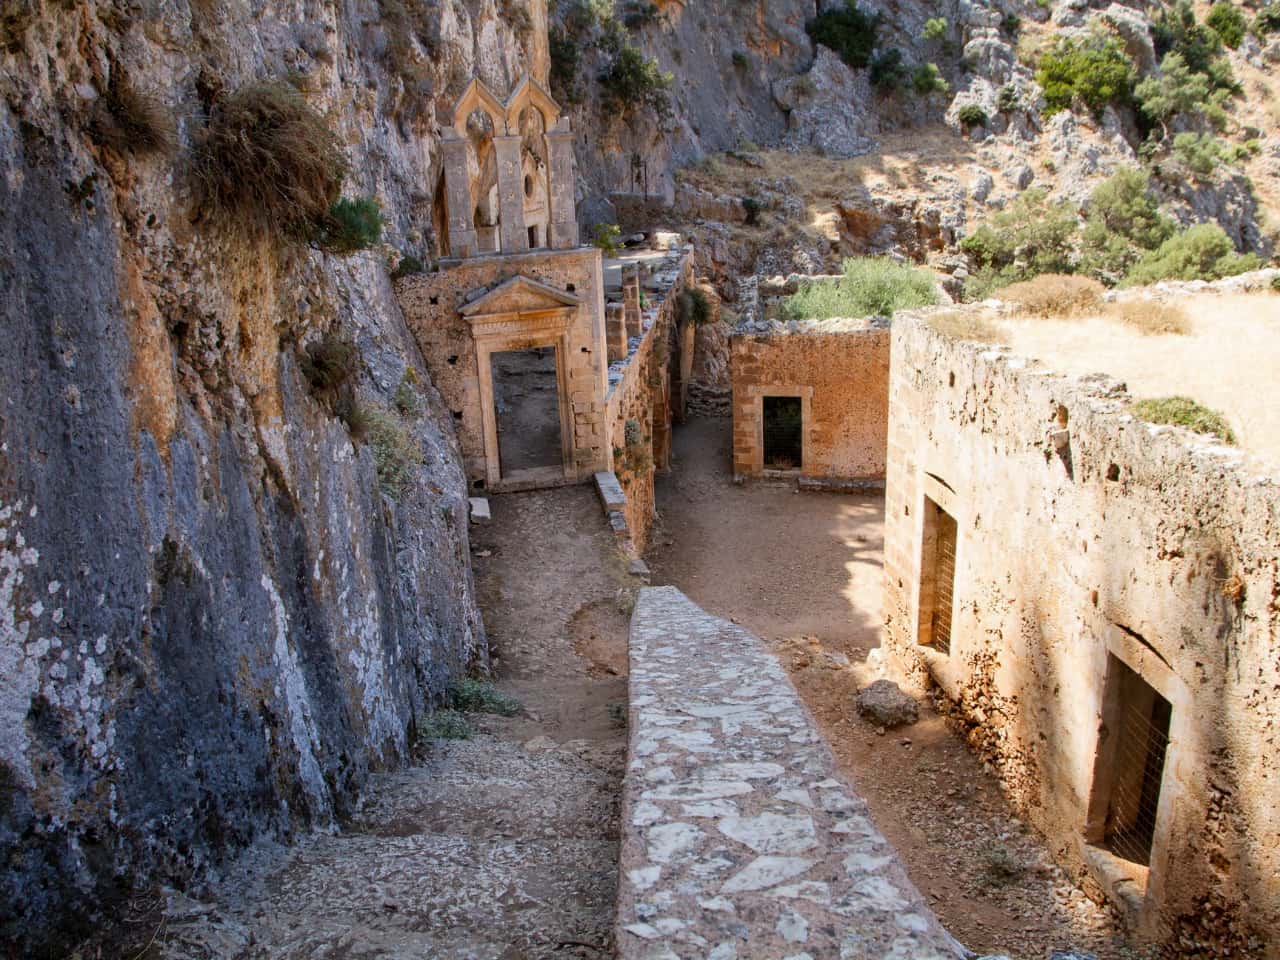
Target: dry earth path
504,845
803,572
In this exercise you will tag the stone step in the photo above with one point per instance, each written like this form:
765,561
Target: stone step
740,839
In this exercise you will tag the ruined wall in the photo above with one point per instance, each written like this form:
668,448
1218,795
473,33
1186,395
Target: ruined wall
843,380
1083,533
213,623
431,303
640,390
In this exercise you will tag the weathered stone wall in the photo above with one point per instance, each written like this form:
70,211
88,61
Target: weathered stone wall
213,624
1084,533
843,380
640,390
431,302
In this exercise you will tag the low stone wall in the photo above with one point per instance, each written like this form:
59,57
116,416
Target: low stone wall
1091,547
842,378
739,839
640,406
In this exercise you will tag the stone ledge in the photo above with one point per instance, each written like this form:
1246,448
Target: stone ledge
739,839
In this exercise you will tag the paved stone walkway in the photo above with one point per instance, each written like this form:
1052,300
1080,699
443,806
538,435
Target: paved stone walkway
739,839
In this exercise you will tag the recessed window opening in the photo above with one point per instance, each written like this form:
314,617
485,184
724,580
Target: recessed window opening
533,237
937,577
1132,766
783,433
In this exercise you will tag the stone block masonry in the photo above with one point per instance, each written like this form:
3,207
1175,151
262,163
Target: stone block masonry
842,380
1095,565
739,838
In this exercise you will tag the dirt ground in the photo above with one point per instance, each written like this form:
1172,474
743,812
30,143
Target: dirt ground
1228,361
803,572
527,408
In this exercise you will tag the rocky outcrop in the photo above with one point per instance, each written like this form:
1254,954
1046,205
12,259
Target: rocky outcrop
215,621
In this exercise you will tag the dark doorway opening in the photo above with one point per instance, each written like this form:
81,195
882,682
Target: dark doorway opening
526,403
1130,766
783,433
937,577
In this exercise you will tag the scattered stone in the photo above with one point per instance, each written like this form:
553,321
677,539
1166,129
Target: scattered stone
480,510
883,703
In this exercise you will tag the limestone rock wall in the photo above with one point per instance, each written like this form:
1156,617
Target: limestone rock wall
1084,537
213,623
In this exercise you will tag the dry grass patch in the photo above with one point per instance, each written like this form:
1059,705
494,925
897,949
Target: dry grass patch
965,325
1151,317
1054,295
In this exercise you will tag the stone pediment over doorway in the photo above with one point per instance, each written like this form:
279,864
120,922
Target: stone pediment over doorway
520,303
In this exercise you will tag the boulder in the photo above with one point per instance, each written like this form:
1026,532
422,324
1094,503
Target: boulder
884,704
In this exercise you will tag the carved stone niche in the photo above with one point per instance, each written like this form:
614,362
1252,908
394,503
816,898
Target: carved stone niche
521,314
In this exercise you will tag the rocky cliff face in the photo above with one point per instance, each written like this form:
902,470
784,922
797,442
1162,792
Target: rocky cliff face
214,623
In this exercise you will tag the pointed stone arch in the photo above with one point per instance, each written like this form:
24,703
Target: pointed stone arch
478,96
529,93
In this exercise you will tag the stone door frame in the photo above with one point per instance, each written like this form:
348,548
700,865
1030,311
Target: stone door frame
756,393
513,331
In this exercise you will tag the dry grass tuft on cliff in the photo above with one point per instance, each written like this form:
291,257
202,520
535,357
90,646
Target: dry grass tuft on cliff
268,161
130,121
1054,295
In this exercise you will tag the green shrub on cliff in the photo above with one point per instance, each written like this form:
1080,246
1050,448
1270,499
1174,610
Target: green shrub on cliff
1185,412
848,31
869,286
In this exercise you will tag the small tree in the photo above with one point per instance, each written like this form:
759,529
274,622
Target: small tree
1095,71
848,31
1178,91
634,81
1227,21
1124,222
1204,252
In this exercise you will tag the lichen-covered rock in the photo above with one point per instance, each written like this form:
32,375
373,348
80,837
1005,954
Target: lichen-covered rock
884,704
829,108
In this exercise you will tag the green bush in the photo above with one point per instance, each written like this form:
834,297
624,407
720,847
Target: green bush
1009,99
1227,21
479,696
445,725
927,79
1124,222
408,266
1011,23
330,366
694,307
870,286
1030,237
1178,91
935,29
1185,412
741,60
847,31
1095,71
1176,31
634,81
752,208
395,451
1200,153
350,225
972,115
888,70
608,237
1268,20
268,161
566,56
1203,252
